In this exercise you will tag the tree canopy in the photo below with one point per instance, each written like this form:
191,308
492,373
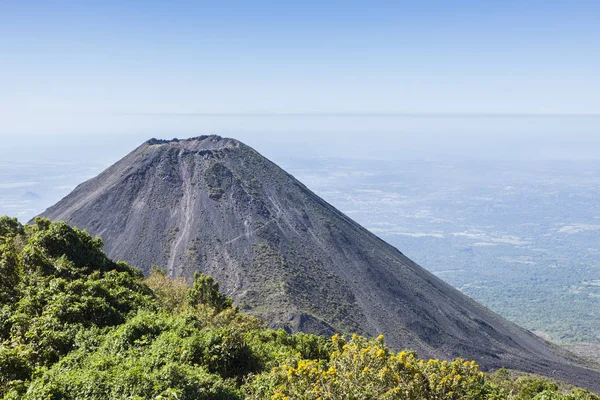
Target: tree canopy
75,324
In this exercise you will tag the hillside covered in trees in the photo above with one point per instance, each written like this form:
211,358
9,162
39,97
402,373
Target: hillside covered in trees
75,324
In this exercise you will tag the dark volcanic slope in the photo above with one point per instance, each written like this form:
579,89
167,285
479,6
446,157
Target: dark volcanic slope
216,205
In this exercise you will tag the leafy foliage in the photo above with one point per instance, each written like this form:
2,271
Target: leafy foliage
74,324
206,291
366,369
10,227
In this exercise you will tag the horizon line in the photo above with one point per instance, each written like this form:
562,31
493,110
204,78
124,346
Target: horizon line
360,114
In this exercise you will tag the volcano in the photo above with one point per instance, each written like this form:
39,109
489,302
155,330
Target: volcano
285,255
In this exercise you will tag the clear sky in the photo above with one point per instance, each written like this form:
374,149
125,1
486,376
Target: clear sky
136,66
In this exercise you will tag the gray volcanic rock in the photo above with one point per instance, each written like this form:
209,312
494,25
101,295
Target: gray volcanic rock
284,254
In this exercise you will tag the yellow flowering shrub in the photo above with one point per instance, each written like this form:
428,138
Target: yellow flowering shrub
363,368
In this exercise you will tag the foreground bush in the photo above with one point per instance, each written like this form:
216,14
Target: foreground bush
366,369
76,325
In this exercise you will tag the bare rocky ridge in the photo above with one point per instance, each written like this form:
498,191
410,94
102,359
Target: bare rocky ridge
284,254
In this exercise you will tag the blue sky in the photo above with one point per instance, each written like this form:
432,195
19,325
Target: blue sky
83,66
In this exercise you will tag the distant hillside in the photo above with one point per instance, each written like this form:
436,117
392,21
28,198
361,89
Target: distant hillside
217,206
76,325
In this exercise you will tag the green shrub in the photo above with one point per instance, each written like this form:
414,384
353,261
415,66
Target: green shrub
531,387
10,227
14,368
205,291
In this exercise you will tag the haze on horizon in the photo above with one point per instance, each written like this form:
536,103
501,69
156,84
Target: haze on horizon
396,76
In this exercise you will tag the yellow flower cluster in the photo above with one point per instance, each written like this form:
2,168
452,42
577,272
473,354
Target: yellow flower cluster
366,369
